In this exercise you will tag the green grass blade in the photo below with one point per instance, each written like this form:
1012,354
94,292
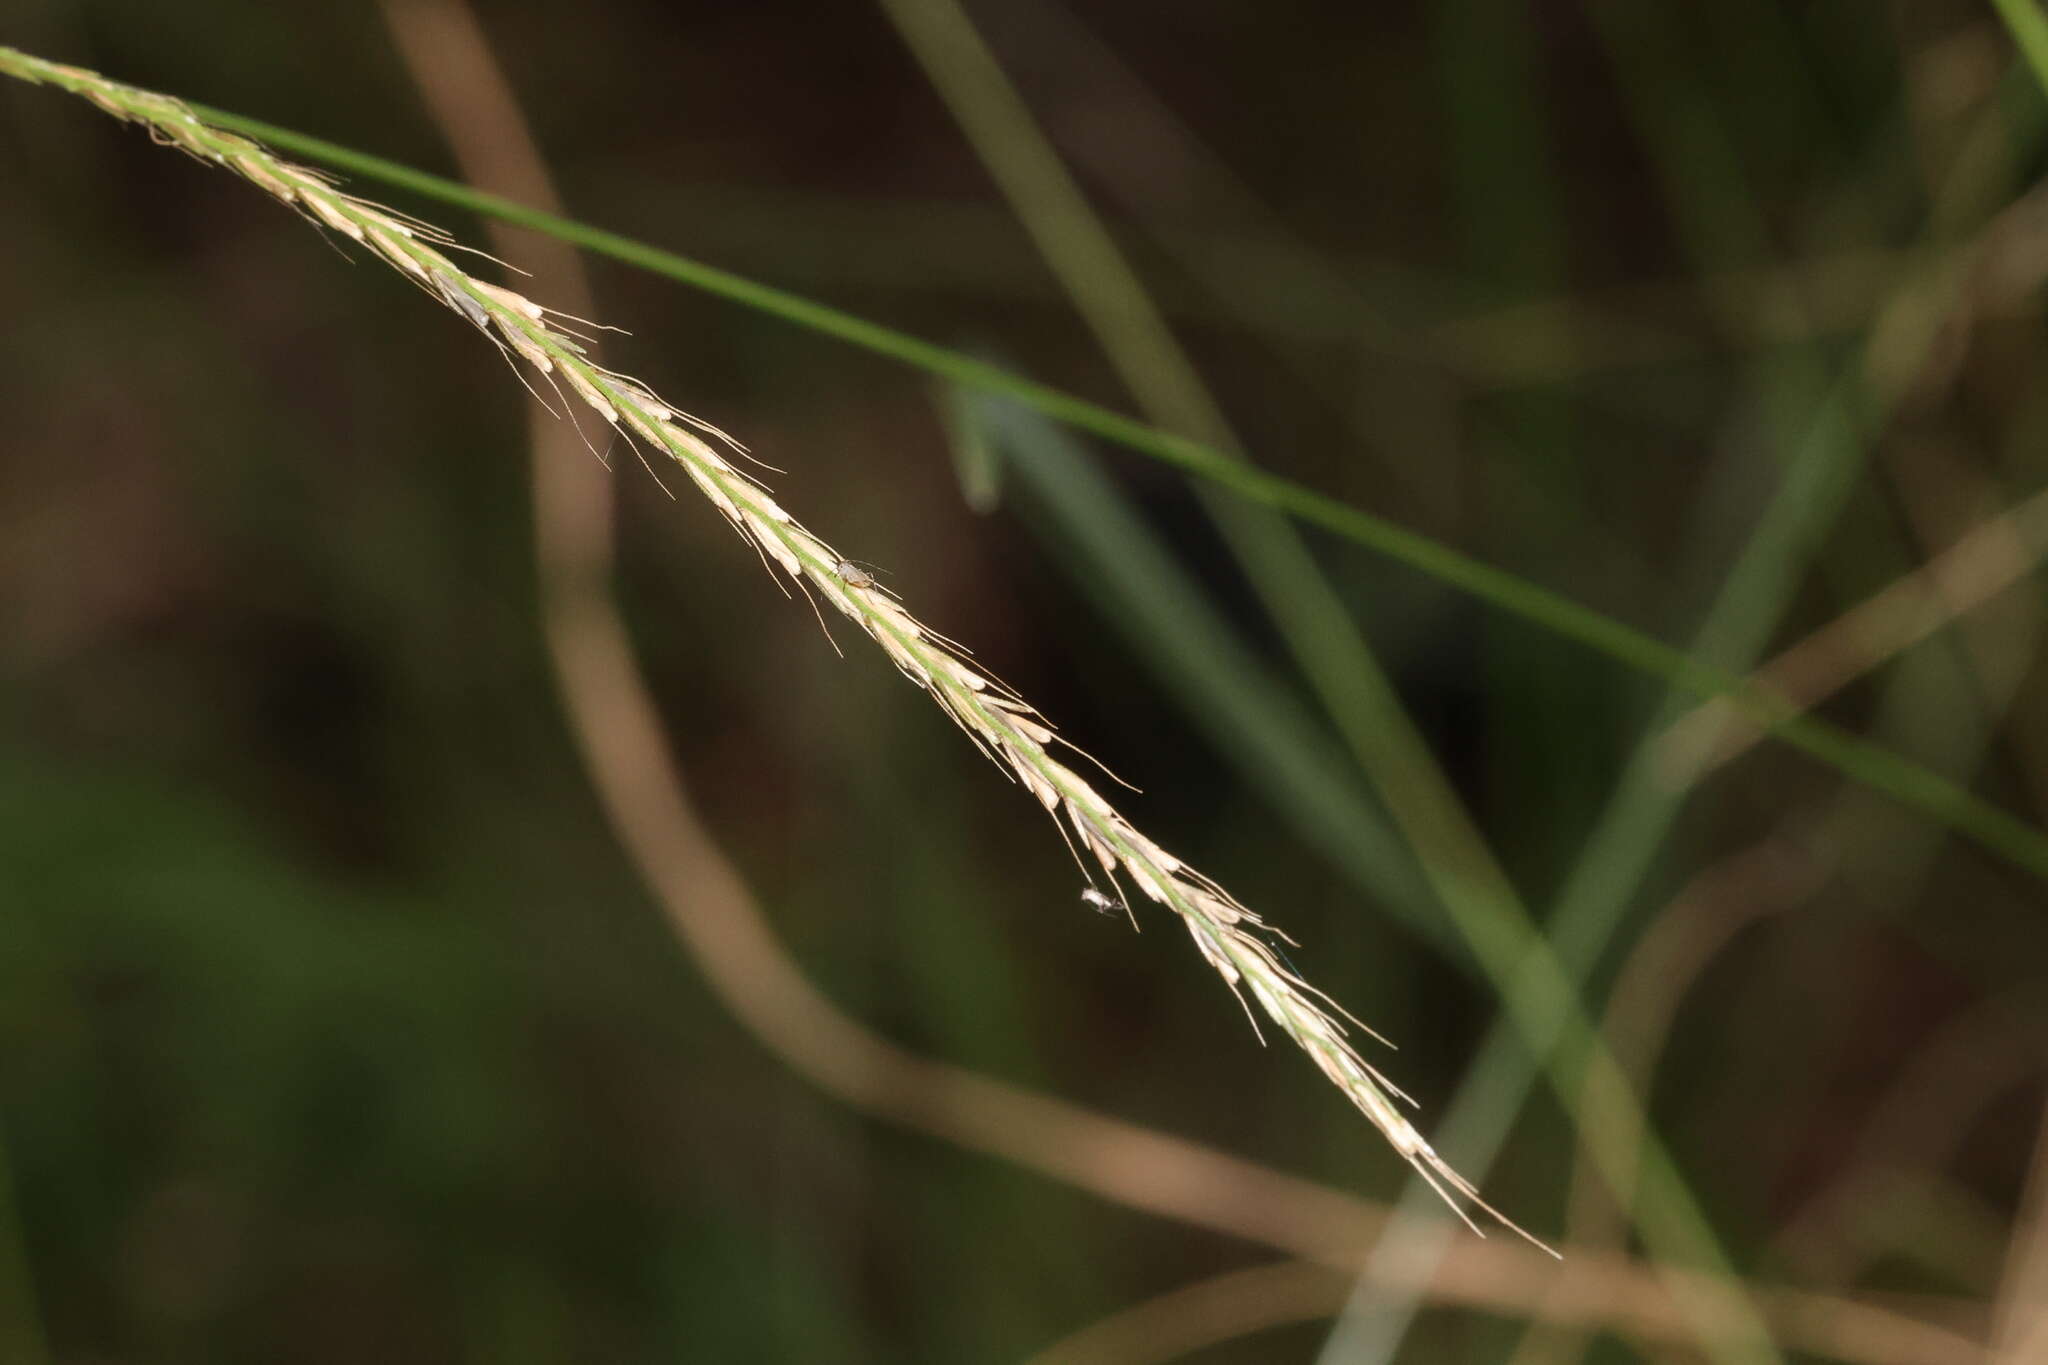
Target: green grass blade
1934,796
2029,29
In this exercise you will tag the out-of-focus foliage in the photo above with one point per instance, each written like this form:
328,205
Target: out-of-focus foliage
334,1026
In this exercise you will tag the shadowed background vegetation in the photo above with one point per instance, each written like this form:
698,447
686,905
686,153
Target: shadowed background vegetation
334,1024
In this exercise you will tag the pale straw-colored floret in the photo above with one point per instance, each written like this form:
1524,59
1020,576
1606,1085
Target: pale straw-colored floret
1234,941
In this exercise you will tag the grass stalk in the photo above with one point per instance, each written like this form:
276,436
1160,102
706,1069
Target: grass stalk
1236,942
1912,785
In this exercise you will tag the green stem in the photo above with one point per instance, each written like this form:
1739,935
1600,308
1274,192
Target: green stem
1904,781
2029,29
1932,795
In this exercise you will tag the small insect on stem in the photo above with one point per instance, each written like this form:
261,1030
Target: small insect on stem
462,303
1096,899
852,574
1103,903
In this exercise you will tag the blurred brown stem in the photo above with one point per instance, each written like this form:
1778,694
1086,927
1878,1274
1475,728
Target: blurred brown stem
1188,1319
1917,1127
2022,1313
1772,876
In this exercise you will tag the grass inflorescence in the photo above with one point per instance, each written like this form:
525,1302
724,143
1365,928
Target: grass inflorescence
1236,942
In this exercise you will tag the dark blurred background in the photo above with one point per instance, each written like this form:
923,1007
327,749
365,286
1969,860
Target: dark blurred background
336,1026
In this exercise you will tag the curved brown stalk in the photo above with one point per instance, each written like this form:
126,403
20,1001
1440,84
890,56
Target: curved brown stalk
1203,1314
1971,1062
1240,1302
2020,1315
1774,875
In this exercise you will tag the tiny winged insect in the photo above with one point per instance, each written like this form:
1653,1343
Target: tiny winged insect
1096,899
1103,904
854,575
462,303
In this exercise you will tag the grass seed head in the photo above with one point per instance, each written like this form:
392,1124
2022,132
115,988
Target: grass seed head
1002,725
